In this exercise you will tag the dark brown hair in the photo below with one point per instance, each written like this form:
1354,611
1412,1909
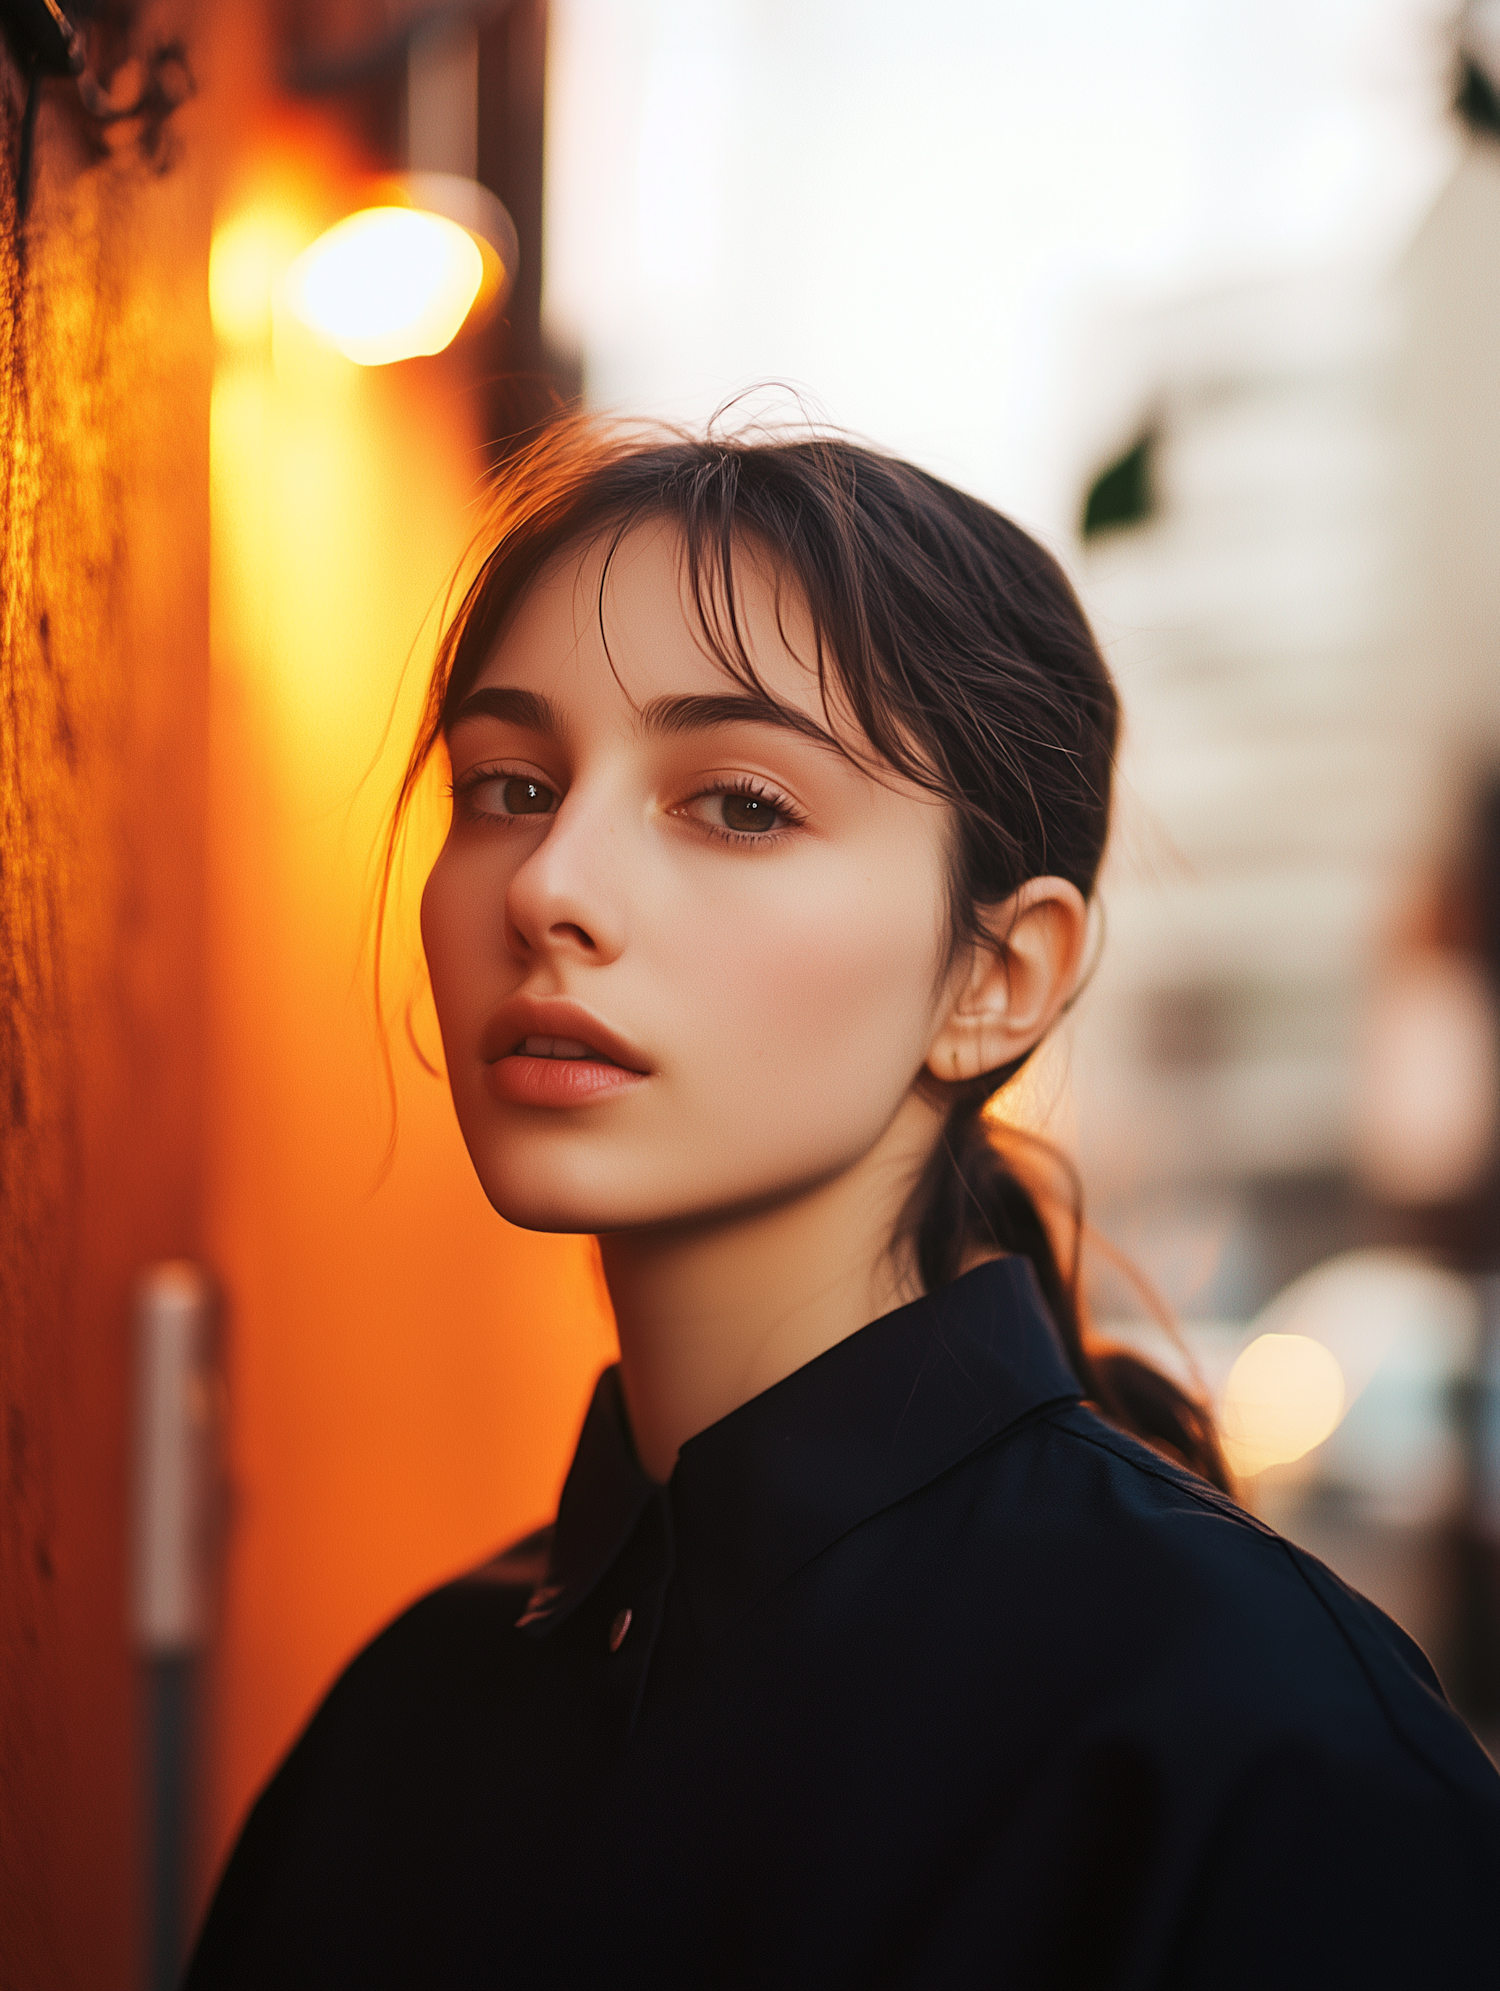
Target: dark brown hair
955,644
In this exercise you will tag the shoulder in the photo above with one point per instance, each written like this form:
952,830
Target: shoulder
376,1756
433,1660
464,1617
1101,1503
1212,1621
1183,1567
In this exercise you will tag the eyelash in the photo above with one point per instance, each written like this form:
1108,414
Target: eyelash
756,791
747,785
478,776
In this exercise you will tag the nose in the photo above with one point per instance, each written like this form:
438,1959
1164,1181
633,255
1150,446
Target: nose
568,897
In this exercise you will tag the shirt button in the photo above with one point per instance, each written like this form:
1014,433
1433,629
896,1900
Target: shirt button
619,1625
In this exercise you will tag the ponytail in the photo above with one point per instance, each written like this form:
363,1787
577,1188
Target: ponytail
968,1200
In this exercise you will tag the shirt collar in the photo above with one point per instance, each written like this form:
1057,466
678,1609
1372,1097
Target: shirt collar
777,1481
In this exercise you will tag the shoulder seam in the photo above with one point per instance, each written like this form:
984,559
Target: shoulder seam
1178,1477
1216,1503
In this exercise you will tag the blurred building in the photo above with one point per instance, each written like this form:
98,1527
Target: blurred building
1300,605
1270,796
1290,1049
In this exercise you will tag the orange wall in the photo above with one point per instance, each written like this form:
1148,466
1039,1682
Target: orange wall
104,377
406,1372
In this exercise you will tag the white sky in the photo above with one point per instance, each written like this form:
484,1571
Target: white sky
920,215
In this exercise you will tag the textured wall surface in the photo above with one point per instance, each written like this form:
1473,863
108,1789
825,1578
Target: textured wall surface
104,396
187,1060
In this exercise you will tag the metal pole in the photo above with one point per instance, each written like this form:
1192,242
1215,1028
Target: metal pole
176,1530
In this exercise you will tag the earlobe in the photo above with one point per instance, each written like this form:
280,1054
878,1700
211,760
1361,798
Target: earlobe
1016,981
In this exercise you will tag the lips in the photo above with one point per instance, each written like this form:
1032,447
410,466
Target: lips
557,1047
550,1051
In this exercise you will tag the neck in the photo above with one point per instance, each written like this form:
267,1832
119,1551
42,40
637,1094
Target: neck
714,1311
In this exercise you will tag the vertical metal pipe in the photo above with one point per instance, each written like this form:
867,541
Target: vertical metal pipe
176,1540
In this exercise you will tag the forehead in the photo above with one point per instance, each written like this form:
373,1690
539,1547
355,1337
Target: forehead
622,609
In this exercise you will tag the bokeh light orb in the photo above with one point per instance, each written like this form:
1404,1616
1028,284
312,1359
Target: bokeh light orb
1285,1394
387,284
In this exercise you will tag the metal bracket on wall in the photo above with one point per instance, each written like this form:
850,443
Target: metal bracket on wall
50,40
44,36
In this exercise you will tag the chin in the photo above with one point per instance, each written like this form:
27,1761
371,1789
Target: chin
594,1203
560,1219
551,1208
573,1201
592,1194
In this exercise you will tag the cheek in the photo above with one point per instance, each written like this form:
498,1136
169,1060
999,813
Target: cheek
453,929
435,926
814,994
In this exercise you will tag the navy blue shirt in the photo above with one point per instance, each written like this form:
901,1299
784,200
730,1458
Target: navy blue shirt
916,1672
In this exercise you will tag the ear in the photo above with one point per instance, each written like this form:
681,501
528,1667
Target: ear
1009,990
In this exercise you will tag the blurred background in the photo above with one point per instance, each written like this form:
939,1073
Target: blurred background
1205,296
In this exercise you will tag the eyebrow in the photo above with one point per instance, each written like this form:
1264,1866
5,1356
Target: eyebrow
662,717
519,708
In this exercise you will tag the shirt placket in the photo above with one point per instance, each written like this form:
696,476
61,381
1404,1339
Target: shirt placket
625,1618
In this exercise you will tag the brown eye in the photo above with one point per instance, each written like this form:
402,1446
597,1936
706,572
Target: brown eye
747,813
499,796
527,798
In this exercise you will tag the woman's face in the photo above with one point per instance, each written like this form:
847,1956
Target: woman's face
686,960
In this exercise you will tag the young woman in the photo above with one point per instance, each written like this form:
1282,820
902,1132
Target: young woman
892,1631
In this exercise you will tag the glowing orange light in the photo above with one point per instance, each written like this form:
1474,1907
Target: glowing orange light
248,254
1285,1394
388,283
